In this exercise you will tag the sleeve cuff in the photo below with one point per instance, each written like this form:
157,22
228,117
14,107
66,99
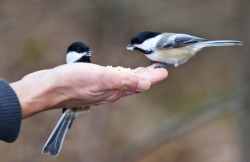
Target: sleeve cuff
10,113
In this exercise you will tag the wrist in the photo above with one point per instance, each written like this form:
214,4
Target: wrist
34,94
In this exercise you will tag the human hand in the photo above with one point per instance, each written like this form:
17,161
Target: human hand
81,84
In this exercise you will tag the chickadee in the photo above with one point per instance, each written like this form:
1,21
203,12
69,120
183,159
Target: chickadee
172,49
77,52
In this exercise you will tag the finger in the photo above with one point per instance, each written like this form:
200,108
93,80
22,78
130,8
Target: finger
125,81
152,74
132,83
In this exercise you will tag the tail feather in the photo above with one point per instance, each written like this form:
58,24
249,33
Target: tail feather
219,43
54,144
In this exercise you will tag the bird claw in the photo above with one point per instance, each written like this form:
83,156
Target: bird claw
165,66
151,62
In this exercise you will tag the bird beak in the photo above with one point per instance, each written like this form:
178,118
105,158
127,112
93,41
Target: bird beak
130,47
89,53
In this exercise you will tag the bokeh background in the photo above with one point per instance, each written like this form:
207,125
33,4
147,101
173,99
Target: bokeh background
199,113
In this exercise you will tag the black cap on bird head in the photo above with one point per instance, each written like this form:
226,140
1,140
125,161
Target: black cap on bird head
78,47
140,37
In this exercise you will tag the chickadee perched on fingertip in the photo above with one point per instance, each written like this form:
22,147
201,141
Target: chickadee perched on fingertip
172,49
76,52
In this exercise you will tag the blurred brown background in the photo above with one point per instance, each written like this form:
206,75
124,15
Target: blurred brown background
199,113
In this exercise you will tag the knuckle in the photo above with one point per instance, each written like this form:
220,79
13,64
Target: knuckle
126,84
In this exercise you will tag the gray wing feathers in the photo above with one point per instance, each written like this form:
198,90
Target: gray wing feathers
183,39
171,40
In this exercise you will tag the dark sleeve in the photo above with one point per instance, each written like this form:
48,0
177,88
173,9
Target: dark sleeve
10,113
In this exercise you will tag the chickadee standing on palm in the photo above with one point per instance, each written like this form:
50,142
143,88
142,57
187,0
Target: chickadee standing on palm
77,52
172,49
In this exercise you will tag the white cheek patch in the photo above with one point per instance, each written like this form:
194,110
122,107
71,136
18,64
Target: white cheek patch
74,56
149,44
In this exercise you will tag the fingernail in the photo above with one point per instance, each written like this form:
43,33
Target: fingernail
143,85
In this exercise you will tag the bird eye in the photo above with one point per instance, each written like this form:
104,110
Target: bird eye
78,50
136,41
